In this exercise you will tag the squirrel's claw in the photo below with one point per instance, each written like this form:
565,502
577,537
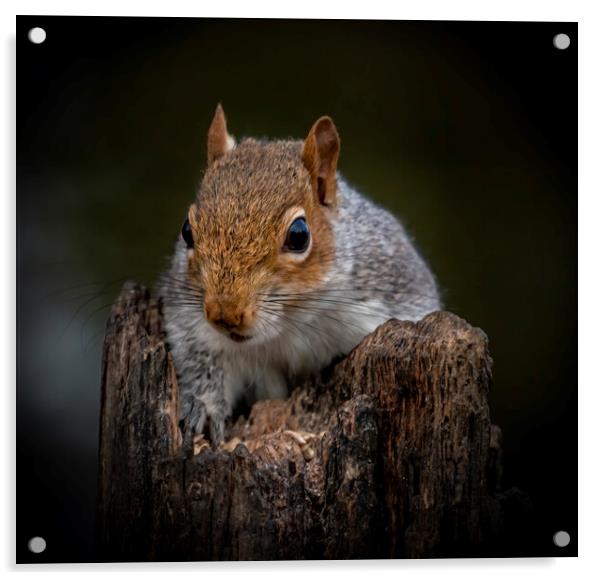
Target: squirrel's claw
194,420
216,431
193,416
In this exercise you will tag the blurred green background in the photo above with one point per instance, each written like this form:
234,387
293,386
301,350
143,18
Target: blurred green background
467,131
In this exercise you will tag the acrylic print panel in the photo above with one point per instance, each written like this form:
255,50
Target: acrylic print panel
230,348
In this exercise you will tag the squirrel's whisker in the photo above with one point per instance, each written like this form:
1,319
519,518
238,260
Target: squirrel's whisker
103,285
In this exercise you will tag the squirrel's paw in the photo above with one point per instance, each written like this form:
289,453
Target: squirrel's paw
195,420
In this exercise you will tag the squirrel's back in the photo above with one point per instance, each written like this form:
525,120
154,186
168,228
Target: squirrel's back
379,259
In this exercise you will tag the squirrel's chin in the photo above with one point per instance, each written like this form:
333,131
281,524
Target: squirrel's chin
236,341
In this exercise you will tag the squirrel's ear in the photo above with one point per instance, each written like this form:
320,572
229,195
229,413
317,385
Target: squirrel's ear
219,142
320,156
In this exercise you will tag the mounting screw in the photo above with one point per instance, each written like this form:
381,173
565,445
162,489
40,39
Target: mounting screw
561,539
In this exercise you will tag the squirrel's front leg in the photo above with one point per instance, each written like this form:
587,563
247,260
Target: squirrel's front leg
198,414
203,405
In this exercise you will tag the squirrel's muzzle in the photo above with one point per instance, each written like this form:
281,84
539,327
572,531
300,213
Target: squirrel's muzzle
229,316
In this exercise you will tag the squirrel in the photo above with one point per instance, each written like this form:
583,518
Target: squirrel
281,267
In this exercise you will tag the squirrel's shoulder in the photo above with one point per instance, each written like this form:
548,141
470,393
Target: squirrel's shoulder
374,245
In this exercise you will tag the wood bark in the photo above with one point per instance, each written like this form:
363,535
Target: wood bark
389,453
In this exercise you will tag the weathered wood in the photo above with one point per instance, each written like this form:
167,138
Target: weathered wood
389,453
138,423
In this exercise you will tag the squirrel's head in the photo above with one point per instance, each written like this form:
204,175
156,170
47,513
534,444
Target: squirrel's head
260,227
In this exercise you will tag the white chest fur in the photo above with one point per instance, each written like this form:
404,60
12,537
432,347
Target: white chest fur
295,344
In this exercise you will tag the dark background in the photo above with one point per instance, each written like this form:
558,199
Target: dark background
467,131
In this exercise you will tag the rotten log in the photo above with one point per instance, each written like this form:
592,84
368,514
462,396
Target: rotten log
389,453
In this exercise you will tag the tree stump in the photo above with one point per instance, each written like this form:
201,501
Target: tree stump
389,453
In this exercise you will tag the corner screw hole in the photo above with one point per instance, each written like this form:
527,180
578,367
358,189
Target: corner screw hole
37,35
36,545
561,41
561,539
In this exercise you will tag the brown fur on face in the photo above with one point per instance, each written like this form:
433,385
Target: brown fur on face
239,230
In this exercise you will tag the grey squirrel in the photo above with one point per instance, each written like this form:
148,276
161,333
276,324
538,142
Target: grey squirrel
280,267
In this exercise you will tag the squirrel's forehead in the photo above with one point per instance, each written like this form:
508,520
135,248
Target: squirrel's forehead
255,168
242,218
255,183
254,195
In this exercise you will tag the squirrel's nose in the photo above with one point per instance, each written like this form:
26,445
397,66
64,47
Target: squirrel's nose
225,315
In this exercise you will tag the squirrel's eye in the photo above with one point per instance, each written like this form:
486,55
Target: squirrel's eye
297,238
187,234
